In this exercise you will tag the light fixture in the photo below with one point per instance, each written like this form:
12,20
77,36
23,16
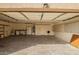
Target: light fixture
45,5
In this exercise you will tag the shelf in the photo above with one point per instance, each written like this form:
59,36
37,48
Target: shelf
1,27
2,31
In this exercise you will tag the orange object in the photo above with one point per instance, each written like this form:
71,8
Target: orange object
75,40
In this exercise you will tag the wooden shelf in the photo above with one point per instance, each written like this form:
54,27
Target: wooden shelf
2,30
1,27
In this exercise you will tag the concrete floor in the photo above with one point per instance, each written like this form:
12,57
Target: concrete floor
35,45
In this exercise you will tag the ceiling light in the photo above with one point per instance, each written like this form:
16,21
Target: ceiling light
45,5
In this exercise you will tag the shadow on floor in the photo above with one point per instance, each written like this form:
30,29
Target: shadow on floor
16,43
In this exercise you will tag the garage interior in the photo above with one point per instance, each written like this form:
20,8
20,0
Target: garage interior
43,28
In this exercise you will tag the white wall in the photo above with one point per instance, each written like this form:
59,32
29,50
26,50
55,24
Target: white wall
41,29
21,26
65,31
17,26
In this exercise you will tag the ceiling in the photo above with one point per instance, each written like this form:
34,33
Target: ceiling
25,17
35,17
39,5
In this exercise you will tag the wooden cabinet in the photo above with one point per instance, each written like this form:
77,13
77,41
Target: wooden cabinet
2,30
